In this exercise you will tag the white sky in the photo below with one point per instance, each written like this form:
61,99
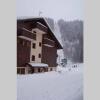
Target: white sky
56,9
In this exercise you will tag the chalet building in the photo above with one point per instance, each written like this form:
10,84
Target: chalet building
36,46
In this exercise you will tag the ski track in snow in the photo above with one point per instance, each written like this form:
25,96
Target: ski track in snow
67,85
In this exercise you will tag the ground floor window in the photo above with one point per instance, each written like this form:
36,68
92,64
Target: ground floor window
46,69
39,70
42,69
50,69
18,70
32,70
21,70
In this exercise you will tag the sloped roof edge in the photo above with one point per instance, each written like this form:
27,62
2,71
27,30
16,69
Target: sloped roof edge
44,18
52,32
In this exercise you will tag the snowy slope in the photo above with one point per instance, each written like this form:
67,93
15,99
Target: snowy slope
67,85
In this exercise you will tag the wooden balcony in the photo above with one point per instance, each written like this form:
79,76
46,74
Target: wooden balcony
26,33
49,42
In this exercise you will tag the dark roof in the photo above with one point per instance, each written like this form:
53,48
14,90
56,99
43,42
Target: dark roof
44,22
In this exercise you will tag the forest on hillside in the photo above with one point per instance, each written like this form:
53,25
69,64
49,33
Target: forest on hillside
72,37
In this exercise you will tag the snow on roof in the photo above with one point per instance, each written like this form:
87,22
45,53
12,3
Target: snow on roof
41,24
53,32
49,39
48,45
28,17
38,64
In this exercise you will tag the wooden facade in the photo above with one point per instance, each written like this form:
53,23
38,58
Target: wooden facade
49,54
49,45
23,52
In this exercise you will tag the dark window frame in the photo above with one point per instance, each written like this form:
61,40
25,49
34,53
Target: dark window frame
39,55
28,44
21,42
34,31
34,45
34,36
33,58
40,44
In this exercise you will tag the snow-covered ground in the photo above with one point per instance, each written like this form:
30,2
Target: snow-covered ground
64,84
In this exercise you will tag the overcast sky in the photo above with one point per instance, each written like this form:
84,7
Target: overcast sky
56,9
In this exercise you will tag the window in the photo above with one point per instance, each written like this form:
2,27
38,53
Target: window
40,44
18,70
18,41
21,41
25,43
50,69
33,58
34,37
28,44
34,45
21,70
34,31
39,70
39,55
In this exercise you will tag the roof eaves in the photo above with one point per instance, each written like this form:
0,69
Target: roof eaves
26,18
52,32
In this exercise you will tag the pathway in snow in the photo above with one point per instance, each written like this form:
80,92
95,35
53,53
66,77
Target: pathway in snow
67,85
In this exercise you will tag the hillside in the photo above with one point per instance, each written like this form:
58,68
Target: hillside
70,35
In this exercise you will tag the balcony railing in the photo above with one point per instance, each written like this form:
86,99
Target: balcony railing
48,42
26,33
